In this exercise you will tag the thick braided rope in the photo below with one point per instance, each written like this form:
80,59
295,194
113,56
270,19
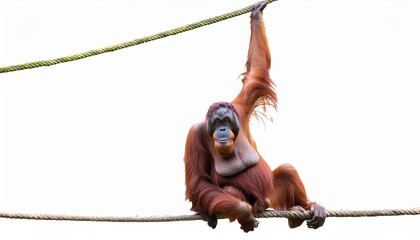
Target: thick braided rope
267,214
134,42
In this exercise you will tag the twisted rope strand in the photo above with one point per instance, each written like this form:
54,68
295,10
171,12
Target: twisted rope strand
267,214
134,42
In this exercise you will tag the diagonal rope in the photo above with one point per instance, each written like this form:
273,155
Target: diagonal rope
132,43
267,214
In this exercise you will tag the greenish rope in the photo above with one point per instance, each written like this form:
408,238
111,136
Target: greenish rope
266,214
132,43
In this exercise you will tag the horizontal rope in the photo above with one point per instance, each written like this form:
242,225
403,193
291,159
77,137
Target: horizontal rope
134,42
267,214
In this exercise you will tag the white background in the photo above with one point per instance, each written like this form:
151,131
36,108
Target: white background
105,135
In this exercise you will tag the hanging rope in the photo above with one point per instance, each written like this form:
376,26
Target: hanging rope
267,214
132,43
